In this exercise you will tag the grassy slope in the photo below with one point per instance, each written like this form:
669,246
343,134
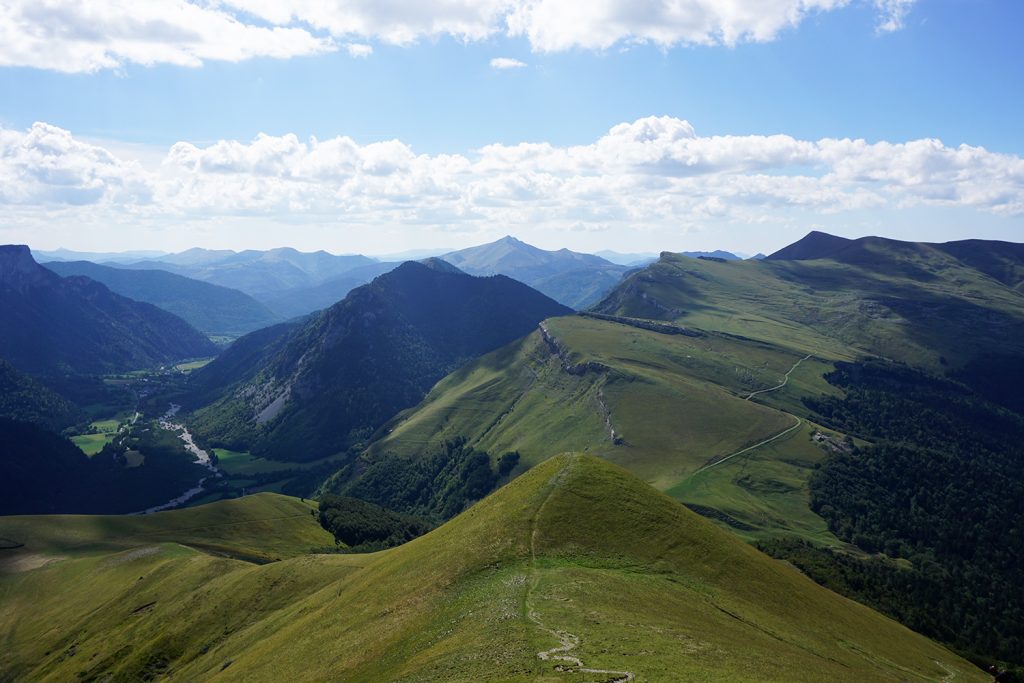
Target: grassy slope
263,527
660,390
676,401
645,584
913,306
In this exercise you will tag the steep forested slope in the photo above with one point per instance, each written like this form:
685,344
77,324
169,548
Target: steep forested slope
53,324
353,366
207,307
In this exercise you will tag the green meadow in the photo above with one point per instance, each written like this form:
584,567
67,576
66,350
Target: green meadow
104,433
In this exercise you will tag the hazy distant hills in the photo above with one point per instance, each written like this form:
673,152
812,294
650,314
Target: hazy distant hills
289,283
44,256
292,303
627,259
74,324
209,308
357,363
257,273
571,278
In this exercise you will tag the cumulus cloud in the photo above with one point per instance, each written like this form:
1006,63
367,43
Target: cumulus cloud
45,165
72,36
506,63
653,172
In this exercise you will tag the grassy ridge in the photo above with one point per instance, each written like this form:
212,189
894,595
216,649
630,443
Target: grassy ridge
262,526
644,584
911,305
675,401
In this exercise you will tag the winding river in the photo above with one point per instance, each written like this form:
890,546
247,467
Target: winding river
202,458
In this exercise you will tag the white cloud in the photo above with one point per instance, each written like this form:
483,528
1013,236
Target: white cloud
891,14
506,63
359,50
653,173
72,36
45,165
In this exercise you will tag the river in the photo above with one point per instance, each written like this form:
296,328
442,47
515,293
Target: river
202,458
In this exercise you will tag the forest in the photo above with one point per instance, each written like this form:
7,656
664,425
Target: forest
937,499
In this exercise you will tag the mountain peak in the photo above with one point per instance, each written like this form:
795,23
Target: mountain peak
814,245
439,264
19,269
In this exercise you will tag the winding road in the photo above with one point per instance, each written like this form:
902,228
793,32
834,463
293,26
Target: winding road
785,379
767,441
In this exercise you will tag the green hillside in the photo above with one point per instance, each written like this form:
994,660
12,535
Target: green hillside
744,390
575,566
263,526
905,301
675,402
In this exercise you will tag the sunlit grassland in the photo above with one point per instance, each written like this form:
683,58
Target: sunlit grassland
93,443
646,585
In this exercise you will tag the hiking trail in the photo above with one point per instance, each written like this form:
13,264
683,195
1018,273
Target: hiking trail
567,641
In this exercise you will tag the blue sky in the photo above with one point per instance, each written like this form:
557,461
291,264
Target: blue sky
950,71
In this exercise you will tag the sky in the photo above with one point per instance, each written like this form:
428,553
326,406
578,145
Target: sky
379,126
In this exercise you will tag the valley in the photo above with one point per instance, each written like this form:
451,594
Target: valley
736,390
511,341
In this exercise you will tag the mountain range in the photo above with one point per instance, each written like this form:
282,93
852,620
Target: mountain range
571,278
211,309
351,367
848,406
75,324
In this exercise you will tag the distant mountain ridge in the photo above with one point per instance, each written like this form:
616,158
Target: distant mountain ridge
43,256
571,278
1003,261
208,307
257,273
331,382
75,324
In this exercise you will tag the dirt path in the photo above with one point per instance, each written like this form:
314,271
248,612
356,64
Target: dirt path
567,641
950,673
785,379
750,448
767,441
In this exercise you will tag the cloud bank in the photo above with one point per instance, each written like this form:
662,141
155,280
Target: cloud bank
654,173
75,37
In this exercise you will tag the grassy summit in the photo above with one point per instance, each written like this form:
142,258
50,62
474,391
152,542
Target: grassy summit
575,559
